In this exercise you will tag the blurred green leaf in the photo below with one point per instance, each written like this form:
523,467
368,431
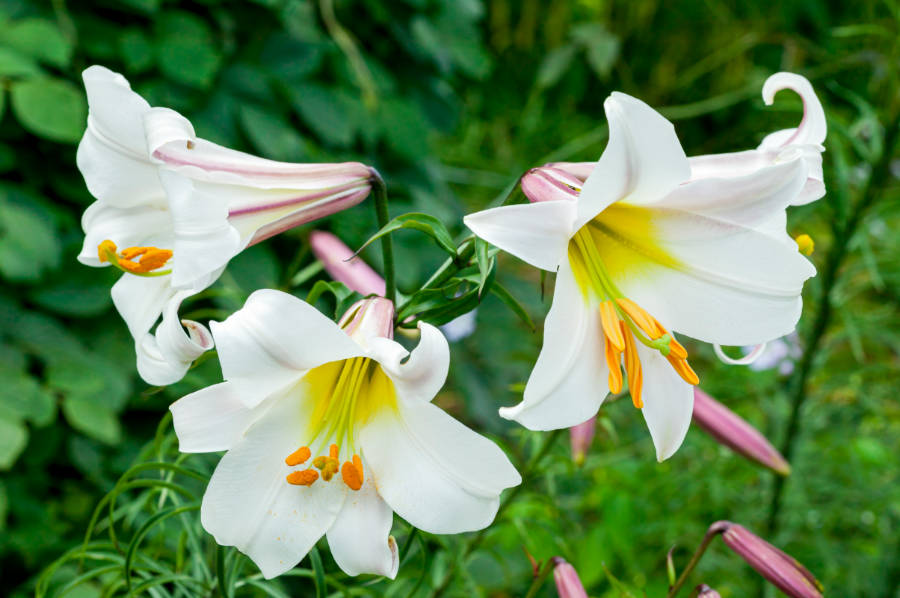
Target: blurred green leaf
186,50
50,108
272,135
15,64
93,420
325,112
22,398
554,65
28,243
13,438
38,39
137,51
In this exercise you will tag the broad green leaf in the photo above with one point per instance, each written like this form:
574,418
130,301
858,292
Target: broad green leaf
554,66
429,225
28,243
38,39
186,50
77,291
13,438
137,51
22,398
50,108
93,420
272,135
14,64
403,128
324,111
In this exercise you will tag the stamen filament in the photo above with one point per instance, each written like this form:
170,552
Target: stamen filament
633,370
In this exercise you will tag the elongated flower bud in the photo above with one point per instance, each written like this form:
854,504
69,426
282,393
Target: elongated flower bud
726,427
779,568
549,184
369,318
343,266
580,437
568,585
704,591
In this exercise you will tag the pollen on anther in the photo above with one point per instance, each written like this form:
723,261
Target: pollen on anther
303,478
299,456
351,476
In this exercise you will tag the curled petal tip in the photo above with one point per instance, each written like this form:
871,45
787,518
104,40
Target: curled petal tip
813,127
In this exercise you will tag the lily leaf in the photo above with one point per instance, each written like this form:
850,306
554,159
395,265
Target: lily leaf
429,225
511,302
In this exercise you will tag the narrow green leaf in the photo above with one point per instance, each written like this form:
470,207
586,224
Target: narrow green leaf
316,562
429,225
511,302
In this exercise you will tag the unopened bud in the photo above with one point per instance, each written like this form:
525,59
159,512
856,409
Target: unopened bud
568,585
726,427
779,568
369,318
343,266
704,591
549,184
580,437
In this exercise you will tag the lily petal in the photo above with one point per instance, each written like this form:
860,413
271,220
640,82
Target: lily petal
642,162
360,539
537,233
433,471
710,279
569,380
139,226
249,504
273,339
813,127
140,300
423,374
668,402
211,419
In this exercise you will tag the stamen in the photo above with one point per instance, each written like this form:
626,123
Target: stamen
302,478
614,364
352,473
609,319
151,258
640,317
299,456
684,370
805,244
633,369
330,469
333,451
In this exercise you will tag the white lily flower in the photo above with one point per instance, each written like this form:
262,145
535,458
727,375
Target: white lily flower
180,208
297,385
782,146
642,239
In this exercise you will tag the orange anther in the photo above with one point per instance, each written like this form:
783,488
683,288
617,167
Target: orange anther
613,363
302,478
609,319
684,370
333,451
352,475
320,461
633,369
640,317
331,468
676,350
104,249
299,456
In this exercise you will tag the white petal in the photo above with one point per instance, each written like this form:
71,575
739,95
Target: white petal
140,301
721,283
668,402
569,380
139,226
422,375
813,127
204,240
165,357
749,200
113,155
249,504
732,164
273,340
211,419
433,471
642,162
537,233
360,539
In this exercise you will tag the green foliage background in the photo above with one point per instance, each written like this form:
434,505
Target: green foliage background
452,100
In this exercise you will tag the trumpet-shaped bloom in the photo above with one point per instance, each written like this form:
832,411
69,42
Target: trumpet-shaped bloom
641,251
173,209
329,430
805,141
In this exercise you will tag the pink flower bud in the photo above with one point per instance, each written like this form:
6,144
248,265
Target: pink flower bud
369,318
342,266
580,437
704,591
782,570
549,184
567,583
732,431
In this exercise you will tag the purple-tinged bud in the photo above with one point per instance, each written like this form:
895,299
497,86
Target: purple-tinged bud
704,591
343,266
580,437
369,318
580,171
568,585
726,427
549,184
782,570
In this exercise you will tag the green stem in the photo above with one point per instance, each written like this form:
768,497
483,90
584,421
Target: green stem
539,579
478,538
835,259
379,190
714,530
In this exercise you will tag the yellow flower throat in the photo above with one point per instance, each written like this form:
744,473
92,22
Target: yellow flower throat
623,320
346,394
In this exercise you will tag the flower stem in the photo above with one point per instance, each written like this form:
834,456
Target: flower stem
538,580
379,190
714,530
478,538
